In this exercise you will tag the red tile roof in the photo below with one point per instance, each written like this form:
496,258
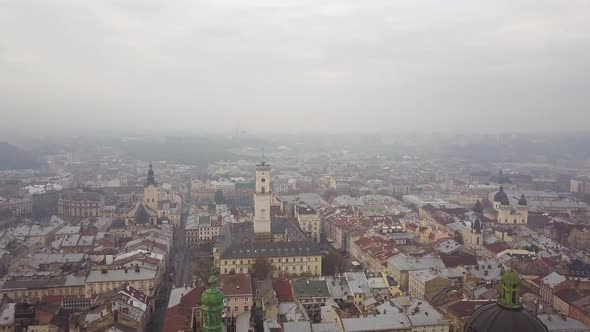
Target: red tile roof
497,247
235,284
283,290
178,317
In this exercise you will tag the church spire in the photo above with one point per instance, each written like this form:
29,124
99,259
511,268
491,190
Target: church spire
151,179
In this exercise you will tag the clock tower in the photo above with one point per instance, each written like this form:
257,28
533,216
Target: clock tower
262,202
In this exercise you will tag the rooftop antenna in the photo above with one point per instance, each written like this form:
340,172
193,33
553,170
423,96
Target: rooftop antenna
262,160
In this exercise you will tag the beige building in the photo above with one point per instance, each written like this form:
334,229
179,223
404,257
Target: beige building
301,262
42,328
309,221
142,279
37,289
201,230
425,282
79,204
21,206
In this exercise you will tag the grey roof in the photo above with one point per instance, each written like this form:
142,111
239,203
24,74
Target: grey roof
70,240
120,275
40,283
310,288
81,196
271,249
313,200
376,323
69,230
562,323
43,258
238,241
419,313
358,282
406,263
553,279
338,286
297,327
325,327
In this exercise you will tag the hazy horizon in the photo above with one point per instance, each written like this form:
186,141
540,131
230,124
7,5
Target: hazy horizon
185,67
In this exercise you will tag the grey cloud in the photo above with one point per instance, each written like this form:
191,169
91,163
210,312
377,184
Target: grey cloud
329,65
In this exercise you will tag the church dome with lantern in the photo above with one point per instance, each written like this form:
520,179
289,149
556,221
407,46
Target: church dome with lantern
507,314
212,306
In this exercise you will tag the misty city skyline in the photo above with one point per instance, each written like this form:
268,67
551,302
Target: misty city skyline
298,66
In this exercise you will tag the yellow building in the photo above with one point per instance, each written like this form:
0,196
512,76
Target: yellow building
100,281
300,263
37,289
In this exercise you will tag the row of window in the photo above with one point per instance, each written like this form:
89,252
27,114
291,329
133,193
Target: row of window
237,299
246,308
50,291
272,260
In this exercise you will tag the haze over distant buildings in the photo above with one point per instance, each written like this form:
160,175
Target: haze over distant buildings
326,66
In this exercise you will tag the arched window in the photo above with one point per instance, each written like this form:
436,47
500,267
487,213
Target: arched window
513,297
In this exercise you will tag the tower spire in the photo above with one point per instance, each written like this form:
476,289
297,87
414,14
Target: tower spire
151,179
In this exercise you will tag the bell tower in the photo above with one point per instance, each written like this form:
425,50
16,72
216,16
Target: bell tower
262,200
476,240
212,307
150,192
509,290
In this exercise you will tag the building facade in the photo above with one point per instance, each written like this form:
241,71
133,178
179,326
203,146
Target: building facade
78,204
100,281
309,221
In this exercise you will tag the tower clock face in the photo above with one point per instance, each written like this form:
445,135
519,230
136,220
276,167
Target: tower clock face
263,180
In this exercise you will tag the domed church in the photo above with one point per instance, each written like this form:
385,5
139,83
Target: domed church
507,314
506,214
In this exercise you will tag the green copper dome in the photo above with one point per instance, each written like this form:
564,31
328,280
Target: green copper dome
212,297
509,291
212,306
507,314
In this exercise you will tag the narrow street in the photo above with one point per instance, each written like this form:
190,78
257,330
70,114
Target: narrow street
178,273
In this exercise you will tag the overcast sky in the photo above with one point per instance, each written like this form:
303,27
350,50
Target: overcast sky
333,65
